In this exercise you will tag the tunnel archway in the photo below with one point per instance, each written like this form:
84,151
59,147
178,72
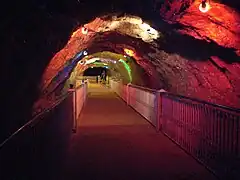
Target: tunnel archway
105,34
119,66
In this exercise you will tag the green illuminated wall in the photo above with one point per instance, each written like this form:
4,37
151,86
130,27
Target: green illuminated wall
127,68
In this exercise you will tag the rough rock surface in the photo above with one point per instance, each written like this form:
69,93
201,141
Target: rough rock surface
172,66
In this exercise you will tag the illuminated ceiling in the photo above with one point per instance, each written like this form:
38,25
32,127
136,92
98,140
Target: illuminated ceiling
82,38
128,25
209,34
109,60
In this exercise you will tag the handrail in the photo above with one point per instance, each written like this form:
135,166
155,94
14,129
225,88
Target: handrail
80,86
144,88
85,77
186,98
35,119
201,101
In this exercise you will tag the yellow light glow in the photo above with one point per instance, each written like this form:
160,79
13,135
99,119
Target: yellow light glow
146,26
129,52
91,60
137,28
84,30
74,33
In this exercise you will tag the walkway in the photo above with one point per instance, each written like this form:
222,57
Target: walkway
113,142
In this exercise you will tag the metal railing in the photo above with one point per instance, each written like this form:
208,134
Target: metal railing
143,100
208,132
79,98
35,151
29,152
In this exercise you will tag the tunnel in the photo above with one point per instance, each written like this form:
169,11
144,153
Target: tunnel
189,49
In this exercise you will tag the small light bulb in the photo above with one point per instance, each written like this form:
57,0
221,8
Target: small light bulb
204,6
85,53
84,30
81,62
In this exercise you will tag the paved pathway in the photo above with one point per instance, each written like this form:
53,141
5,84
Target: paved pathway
113,142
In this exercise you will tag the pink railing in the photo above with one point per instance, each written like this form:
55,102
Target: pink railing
209,132
143,100
79,98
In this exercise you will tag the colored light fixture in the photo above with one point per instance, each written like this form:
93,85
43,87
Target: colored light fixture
127,67
85,53
204,6
84,30
81,62
129,52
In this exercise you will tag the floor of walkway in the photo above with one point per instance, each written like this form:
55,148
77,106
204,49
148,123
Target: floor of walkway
113,142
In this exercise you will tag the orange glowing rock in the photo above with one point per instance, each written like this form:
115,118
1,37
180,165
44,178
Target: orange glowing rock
213,21
221,24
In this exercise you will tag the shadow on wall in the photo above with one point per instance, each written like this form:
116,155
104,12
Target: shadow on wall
195,49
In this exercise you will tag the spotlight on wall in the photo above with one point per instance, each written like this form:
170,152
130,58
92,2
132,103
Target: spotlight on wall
81,62
85,53
129,52
204,6
84,30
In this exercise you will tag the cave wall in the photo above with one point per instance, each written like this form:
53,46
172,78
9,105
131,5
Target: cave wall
176,62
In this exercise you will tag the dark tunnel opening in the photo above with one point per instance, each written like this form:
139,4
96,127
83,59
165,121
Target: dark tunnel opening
95,71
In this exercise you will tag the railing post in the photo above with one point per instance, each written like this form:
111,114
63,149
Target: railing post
85,88
159,109
128,94
74,100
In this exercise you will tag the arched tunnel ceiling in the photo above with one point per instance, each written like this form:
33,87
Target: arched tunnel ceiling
190,53
106,33
119,64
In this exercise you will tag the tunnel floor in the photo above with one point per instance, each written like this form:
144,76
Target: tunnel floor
114,142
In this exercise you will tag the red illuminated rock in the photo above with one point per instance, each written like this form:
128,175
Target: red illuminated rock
210,78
